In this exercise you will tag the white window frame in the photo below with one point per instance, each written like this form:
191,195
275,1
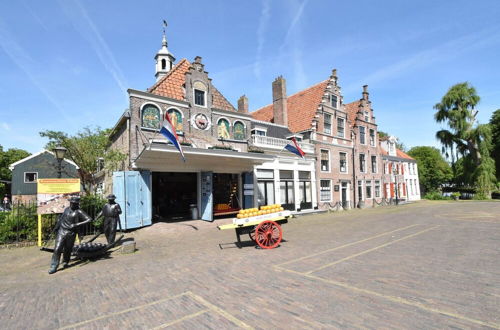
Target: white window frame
377,191
36,178
376,164
326,114
364,156
346,163
373,142
321,189
329,161
364,129
368,183
343,127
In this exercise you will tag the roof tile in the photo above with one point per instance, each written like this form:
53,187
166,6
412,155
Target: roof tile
301,108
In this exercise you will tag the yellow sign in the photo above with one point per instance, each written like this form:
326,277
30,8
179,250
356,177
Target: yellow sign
53,194
58,186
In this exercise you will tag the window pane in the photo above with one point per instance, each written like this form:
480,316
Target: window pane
328,123
308,192
199,97
265,174
362,134
286,175
270,192
261,199
282,192
304,175
340,127
291,198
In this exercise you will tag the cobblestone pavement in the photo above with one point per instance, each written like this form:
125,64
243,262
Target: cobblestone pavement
422,265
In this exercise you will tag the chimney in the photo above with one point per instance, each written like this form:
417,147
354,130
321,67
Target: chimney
243,104
365,92
334,76
280,112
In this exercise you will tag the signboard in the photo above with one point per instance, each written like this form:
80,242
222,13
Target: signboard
248,186
248,192
53,194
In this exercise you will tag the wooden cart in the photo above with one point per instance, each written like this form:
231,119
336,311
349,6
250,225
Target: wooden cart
266,232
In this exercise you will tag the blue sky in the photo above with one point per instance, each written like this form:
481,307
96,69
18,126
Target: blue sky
67,64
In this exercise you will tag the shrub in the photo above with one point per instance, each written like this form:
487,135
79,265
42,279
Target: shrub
435,195
20,224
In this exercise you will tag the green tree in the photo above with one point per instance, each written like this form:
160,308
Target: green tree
495,135
6,159
465,137
85,149
433,170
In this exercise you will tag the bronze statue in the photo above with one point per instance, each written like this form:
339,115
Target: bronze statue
111,212
66,229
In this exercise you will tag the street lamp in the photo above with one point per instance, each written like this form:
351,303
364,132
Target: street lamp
394,169
60,151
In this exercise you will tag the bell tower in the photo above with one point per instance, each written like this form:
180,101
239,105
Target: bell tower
164,59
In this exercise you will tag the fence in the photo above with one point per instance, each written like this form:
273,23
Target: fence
19,223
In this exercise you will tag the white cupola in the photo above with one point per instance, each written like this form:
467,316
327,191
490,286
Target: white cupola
164,59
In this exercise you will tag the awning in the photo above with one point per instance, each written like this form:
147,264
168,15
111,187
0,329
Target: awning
161,157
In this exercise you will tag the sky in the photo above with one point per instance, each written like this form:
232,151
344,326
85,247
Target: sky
66,65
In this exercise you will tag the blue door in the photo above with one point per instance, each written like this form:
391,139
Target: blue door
248,190
133,193
206,196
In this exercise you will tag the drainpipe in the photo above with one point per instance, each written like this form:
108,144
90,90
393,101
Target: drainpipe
353,138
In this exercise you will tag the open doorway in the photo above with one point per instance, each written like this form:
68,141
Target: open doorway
173,193
226,194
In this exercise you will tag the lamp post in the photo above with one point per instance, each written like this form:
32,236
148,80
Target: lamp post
396,181
60,151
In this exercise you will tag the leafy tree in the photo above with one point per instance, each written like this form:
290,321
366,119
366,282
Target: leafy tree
6,159
465,137
400,145
495,135
433,170
85,149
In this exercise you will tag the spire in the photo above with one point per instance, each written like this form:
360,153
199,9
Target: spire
164,59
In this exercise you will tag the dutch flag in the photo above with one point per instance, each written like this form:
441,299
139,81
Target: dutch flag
295,149
168,130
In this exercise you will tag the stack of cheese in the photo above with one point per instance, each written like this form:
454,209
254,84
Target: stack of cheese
253,212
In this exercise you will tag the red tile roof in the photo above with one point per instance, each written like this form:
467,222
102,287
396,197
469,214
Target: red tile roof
352,110
172,85
401,154
301,108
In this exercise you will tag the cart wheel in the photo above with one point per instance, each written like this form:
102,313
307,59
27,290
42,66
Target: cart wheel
252,234
268,234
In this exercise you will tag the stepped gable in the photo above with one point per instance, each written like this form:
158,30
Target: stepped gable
172,86
302,107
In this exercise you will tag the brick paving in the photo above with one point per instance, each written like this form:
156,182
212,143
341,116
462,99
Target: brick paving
422,265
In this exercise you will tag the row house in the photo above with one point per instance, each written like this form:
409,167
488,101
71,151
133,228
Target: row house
400,172
344,136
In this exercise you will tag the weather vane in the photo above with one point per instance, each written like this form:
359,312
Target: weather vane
164,26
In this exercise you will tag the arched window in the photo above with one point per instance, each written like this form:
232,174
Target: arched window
239,131
176,119
150,117
223,129
163,64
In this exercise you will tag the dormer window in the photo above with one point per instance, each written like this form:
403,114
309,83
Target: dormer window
260,132
199,97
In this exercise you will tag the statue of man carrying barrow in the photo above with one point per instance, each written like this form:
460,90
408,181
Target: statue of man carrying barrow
66,228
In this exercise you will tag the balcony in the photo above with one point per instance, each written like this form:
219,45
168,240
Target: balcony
267,142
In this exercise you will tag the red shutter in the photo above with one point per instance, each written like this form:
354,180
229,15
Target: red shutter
392,190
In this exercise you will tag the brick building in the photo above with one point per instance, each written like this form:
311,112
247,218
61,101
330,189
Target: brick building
235,159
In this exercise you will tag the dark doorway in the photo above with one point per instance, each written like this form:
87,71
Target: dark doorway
226,194
173,193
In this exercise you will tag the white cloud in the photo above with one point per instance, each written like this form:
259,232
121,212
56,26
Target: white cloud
89,31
